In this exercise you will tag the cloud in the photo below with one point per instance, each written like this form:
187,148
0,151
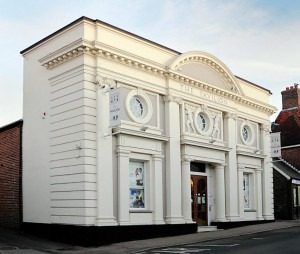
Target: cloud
256,39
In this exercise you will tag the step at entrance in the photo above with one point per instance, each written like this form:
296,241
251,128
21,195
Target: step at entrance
207,228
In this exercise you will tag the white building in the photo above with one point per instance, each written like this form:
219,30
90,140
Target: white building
119,130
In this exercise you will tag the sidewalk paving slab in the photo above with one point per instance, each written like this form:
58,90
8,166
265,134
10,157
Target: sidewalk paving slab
37,245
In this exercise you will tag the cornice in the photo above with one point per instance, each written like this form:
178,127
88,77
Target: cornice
209,62
163,72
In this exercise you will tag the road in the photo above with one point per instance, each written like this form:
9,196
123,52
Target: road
285,241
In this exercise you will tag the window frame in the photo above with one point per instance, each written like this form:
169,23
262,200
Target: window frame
146,184
250,191
145,101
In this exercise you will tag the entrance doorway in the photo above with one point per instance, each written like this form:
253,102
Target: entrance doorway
199,199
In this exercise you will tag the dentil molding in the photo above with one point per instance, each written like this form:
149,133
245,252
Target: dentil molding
163,72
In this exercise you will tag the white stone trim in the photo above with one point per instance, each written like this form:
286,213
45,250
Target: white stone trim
251,132
149,109
208,129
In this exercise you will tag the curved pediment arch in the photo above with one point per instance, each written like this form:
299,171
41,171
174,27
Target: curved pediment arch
207,68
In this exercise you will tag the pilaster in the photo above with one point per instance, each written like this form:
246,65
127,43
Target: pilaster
267,175
220,193
105,202
157,189
123,187
241,192
258,194
173,161
186,190
231,174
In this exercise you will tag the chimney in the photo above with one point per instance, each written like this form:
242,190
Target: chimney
291,97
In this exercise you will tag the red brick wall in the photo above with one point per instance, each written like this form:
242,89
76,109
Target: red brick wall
290,97
10,175
292,155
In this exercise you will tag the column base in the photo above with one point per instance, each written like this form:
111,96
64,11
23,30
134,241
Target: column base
159,222
109,221
175,220
233,218
268,217
220,220
189,221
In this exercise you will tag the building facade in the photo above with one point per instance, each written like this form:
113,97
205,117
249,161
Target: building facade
286,168
11,175
122,131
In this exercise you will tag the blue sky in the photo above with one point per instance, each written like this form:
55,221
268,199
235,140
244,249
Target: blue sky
257,40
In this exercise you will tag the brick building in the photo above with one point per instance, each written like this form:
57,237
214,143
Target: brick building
10,175
286,168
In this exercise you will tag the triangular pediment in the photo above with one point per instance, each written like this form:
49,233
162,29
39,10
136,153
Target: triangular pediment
206,68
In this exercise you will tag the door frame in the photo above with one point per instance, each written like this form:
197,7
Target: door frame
199,176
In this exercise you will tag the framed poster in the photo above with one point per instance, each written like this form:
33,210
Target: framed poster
136,184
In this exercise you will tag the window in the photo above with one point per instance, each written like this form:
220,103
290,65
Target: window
197,167
247,134
202,122
246,189
136,184
139,106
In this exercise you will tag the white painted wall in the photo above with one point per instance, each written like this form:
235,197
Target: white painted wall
67,151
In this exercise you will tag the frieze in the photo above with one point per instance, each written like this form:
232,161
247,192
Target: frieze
202,121
209,92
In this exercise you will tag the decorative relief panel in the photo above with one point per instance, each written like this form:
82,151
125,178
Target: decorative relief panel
200,120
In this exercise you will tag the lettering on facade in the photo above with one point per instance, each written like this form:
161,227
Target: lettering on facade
275,145
114,107
214,98
187,89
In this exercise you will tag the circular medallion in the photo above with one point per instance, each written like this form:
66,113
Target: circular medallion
139,106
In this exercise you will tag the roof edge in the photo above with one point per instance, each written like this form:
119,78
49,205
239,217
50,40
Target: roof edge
99,22
251,83
55,33
12,125
82,18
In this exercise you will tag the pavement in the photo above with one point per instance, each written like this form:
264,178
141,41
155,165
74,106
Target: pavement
16,243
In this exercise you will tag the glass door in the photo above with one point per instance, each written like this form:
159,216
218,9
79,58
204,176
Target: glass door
199,199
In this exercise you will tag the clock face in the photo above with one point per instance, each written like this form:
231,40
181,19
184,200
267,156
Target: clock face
137,107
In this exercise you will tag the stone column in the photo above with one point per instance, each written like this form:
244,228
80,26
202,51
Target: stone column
105,185
231,172
241,193
186,190
267,174
220,193
123,187
173,161
258,194
157,189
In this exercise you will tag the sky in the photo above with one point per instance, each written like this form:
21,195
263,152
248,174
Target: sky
259,40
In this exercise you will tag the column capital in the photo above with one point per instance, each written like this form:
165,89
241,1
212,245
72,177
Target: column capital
171,98
258,170
104,82
123,152
157,156
220,166
266,127
185,159
231,115
241,168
